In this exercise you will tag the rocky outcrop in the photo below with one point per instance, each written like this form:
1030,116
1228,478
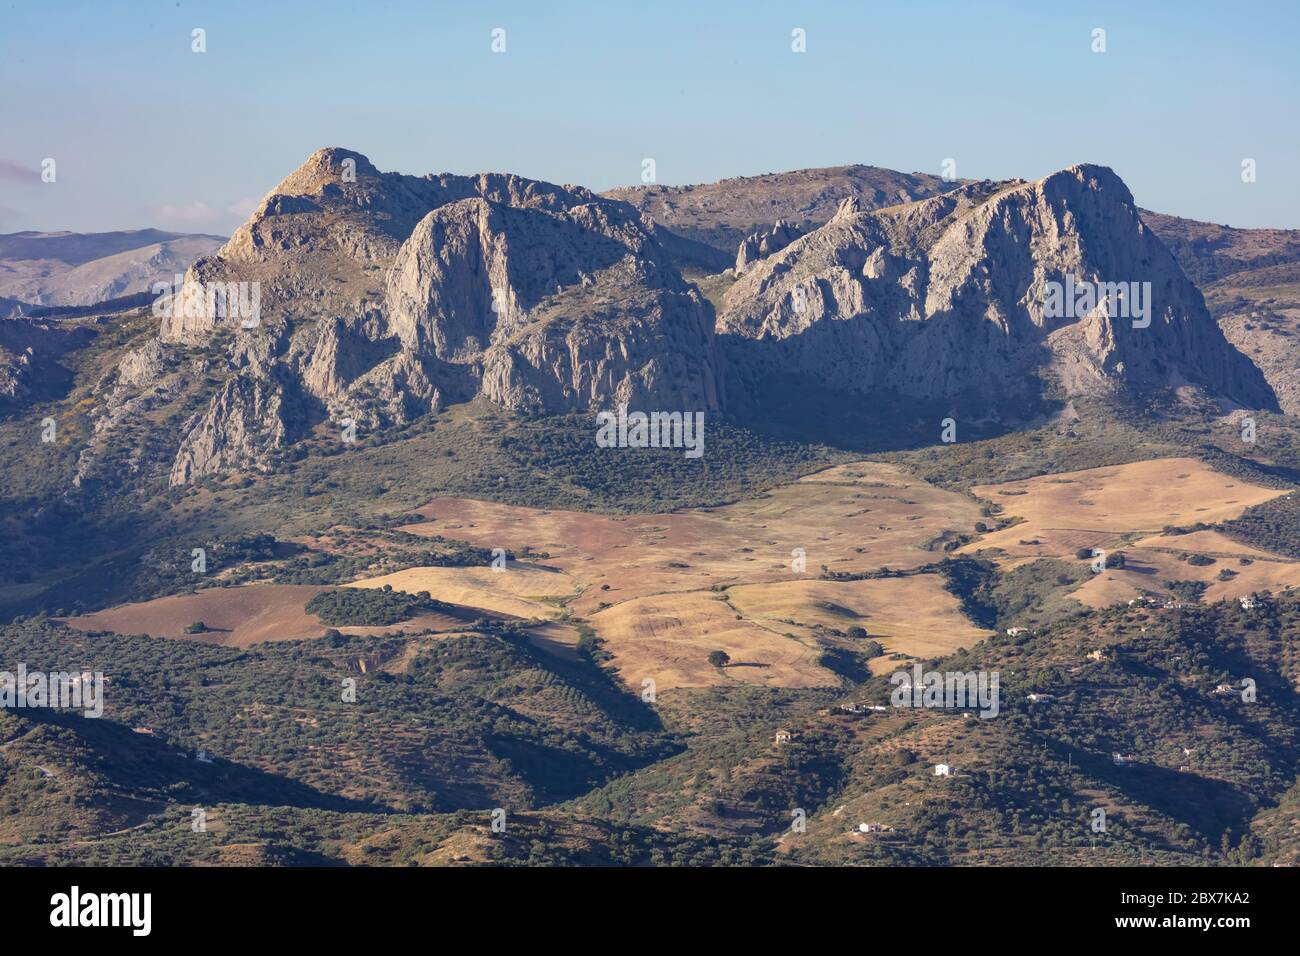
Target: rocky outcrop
382,297
760,245
951,296
143,367
30,353
242,425
379,297
554,308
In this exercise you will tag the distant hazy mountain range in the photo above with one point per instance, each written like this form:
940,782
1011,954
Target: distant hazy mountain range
70,268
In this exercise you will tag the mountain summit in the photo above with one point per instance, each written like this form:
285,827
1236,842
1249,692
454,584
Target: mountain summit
953,296
382,297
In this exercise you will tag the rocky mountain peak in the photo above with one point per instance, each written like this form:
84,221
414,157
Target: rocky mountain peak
966,293
327,166
381,296
760,245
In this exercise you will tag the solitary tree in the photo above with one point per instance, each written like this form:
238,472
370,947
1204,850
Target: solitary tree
719,658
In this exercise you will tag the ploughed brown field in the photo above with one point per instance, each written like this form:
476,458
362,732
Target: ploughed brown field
240,616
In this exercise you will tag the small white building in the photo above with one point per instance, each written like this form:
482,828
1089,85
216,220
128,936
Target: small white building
1039,698
1248,602
1017,631
783,737
942,770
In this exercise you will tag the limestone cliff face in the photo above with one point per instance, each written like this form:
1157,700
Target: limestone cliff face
950,296
240,428
380,297
555,308
318,243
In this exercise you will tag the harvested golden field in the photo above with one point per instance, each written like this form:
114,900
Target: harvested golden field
867,473
667,638
915,615
1212,543
517,590
664,590
834,517
1091,508
1149,570
1125,508
558,639
644,582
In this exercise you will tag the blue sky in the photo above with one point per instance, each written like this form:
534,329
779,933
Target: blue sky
147,133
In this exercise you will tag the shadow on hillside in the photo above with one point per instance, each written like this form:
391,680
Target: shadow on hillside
790,407
150,767
1208,806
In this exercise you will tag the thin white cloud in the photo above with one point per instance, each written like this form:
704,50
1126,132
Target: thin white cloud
197,212
243,208
189,213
